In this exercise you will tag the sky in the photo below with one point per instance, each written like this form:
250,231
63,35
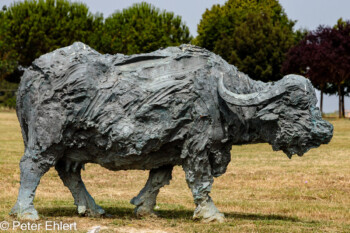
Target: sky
308,13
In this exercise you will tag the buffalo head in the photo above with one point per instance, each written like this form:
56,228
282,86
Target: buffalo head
286,114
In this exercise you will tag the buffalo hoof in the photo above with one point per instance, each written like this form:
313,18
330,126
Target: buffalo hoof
218,217
207,212
143,211
95,212
26,214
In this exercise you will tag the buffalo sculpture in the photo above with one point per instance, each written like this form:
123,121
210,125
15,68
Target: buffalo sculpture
175,106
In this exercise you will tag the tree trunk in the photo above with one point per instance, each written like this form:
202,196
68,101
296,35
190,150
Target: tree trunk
321,102
343,103
340,101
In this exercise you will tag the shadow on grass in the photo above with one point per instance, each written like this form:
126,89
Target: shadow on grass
127,213
248,216
120,212
187,214
57,212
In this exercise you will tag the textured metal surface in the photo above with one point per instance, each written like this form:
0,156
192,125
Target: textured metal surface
176,106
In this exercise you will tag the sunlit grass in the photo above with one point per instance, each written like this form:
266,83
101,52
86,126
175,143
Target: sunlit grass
262,190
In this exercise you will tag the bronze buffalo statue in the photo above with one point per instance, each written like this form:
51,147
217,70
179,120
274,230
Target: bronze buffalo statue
175,106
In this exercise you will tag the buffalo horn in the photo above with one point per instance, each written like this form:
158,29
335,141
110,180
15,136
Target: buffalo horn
251,99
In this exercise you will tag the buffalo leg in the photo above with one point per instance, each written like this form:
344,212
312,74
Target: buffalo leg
69,173
31,173
200,180
146,199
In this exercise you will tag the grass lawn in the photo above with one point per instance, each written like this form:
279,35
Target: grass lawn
262,190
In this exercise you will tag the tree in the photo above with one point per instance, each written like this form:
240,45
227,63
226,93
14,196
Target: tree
308,58
7,94
253,35
339,57
142,28
324,57
8,62
36,27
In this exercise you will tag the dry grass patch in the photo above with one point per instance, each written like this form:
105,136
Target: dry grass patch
262,190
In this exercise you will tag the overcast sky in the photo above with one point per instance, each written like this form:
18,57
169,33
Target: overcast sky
308,13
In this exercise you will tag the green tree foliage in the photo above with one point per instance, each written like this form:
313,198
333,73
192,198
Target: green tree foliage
251,34
142,28
7,94
35,27
8,62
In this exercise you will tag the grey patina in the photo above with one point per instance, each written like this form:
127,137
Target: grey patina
175,106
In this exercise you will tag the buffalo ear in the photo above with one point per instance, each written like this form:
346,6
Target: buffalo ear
269,117
269,113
